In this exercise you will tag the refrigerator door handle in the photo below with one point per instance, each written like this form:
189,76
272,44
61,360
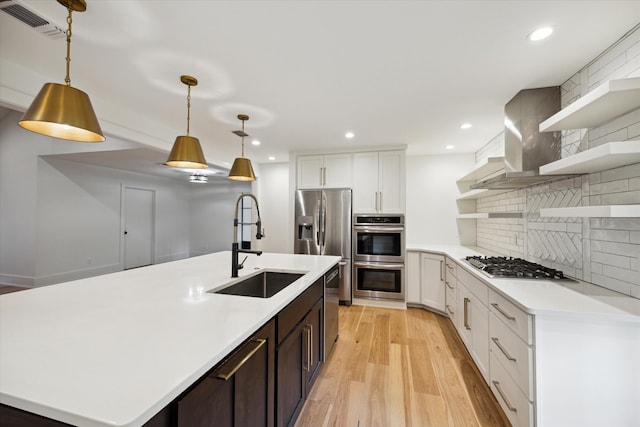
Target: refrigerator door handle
317,221
322,221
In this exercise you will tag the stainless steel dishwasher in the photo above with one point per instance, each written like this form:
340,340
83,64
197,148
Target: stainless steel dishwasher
331,302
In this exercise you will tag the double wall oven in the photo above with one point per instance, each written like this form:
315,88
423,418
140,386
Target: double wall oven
378,256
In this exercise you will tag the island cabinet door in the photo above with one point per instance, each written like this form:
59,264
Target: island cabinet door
292,380
315,338
238,392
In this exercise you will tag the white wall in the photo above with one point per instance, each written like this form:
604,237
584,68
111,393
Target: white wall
212,210
274,195
61,220
431,197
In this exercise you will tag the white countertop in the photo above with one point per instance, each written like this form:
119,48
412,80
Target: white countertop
113,350
547,297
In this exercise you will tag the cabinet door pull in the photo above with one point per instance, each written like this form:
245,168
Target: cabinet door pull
502,349
448,285
449,309
501,311
380,207
308,330
441,268
466,313
251,348
324,176
504,398
376,207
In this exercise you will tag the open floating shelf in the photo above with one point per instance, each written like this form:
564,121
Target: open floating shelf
489,166
481,215
607,101
606,156
476,194
608,211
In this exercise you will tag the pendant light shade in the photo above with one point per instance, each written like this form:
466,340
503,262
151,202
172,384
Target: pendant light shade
62,111
187,152
242,169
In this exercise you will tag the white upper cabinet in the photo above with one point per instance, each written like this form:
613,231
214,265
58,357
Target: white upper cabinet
327,171
379,182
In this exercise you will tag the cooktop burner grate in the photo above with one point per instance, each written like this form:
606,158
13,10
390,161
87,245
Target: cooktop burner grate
513,268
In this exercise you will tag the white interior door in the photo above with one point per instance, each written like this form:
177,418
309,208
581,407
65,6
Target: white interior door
138,227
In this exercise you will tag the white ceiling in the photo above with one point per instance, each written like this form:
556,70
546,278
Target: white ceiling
392,72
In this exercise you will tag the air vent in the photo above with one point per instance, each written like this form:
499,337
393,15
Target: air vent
26,16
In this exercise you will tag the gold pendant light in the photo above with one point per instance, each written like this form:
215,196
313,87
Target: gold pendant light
242,169
60,110
187,152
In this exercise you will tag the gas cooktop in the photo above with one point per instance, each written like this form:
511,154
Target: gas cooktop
509,267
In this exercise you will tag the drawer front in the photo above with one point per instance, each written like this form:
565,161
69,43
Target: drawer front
451,269
476,286
515,405
293,313
450,303
513,354
519,321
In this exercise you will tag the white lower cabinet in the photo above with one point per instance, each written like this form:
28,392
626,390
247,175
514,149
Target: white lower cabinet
425,280
569,369
451,289
412,294
432,289
519,410
473,319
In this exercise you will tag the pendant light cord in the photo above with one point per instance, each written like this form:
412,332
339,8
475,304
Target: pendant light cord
242,139
188,107
67,79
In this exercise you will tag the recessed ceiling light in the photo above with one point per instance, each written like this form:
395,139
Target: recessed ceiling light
349,135
540,34
450,147
465,126
255,142
271,158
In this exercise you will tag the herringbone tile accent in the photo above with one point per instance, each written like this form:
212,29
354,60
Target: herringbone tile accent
552,239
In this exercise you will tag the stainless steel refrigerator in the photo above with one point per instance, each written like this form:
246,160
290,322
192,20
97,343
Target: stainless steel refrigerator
323,227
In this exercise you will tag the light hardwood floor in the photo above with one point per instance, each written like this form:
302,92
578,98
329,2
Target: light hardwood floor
399,368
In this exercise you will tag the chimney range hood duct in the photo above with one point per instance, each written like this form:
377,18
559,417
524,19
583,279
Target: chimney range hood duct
525,148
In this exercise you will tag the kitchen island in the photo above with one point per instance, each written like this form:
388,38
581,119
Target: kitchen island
114,350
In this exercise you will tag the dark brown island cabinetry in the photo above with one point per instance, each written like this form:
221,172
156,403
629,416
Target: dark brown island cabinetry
239,391
299,352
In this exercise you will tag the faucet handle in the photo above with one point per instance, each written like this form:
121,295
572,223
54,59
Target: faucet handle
241,265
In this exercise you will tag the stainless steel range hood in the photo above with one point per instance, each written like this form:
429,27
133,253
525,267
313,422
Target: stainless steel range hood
525,148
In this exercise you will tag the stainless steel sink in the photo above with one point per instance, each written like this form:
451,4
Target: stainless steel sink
262,285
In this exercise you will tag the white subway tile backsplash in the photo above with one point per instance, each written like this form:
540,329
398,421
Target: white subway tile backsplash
624,172
610,187
611,283
621,236
627,249
611,259
626,198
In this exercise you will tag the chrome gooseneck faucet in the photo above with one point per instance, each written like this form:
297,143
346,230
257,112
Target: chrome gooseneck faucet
235,265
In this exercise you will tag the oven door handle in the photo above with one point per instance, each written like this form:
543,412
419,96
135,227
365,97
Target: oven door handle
378,229
378,265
